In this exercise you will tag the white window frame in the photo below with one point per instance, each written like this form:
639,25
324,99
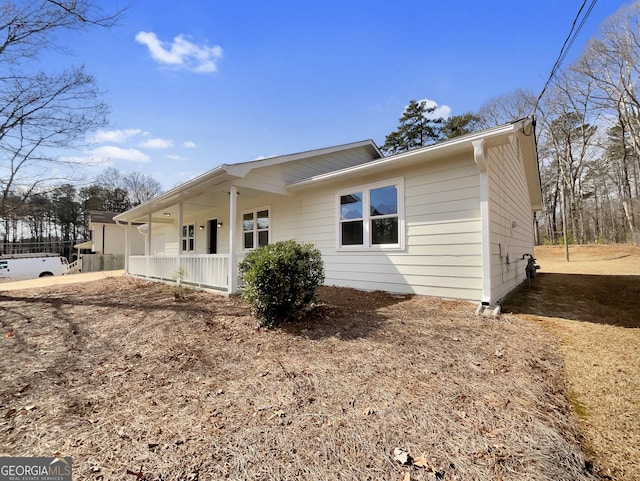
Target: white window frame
367,245
255,227
184,239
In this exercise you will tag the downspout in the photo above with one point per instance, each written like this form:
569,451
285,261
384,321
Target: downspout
103,232
481,162
232,271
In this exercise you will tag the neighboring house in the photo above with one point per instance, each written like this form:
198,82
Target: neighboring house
452,219
108,242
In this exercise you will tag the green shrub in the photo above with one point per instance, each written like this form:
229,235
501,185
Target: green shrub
281,280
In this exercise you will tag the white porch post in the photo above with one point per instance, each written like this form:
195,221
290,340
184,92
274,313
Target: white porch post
148,243
479,156
232,282
180,223
127,247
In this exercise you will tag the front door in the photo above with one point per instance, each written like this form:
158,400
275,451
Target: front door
212,229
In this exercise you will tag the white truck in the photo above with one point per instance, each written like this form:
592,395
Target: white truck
30,266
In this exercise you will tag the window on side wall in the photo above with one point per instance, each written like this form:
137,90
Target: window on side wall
256,228
188,238
371,216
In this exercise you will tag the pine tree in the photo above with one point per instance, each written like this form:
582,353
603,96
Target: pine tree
418,128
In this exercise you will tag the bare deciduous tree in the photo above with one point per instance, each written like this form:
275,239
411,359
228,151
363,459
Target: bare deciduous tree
612,60
42,111
507,108
139,187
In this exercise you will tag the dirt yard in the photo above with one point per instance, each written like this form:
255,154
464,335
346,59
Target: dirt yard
592,306
134,385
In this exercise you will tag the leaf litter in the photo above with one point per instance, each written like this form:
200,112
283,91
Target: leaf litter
134,385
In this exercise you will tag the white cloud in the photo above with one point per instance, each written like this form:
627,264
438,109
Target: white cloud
113,152
189,144
115,136
80,159
181,53
443,111
175,157
157,143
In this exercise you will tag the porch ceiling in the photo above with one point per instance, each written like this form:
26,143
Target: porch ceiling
215,181
217,197
203,196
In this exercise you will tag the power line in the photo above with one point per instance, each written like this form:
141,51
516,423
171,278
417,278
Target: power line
566,46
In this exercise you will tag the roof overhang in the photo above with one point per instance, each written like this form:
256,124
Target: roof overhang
529,152
216,178
84,245
523,130
222,177
243,168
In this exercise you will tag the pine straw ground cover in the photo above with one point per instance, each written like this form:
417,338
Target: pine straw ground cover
592,306
134,385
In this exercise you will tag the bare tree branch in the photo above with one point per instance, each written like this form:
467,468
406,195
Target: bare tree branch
41,112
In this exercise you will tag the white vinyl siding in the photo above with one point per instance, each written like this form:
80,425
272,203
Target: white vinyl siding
510,217
442,255
158,245
113,239
439,250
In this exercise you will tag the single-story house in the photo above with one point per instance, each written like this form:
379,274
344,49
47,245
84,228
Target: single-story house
108,242
453,219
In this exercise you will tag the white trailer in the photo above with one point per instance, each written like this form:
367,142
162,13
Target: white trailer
30,266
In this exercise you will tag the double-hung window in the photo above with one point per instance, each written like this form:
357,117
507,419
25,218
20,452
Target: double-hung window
188,238
371,216
256,228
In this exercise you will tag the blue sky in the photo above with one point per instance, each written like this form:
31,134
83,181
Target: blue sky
193,85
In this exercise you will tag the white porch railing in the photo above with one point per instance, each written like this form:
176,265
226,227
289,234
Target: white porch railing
201,270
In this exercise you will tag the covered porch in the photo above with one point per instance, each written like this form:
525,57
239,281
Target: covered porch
195,235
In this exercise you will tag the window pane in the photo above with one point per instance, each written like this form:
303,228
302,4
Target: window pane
351,206
191,230
191,244
384,231
384,201
247,222
263,238
248,240
263,219
184,231
184,245
351,233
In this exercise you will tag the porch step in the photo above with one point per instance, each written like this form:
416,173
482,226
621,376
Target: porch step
75,266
